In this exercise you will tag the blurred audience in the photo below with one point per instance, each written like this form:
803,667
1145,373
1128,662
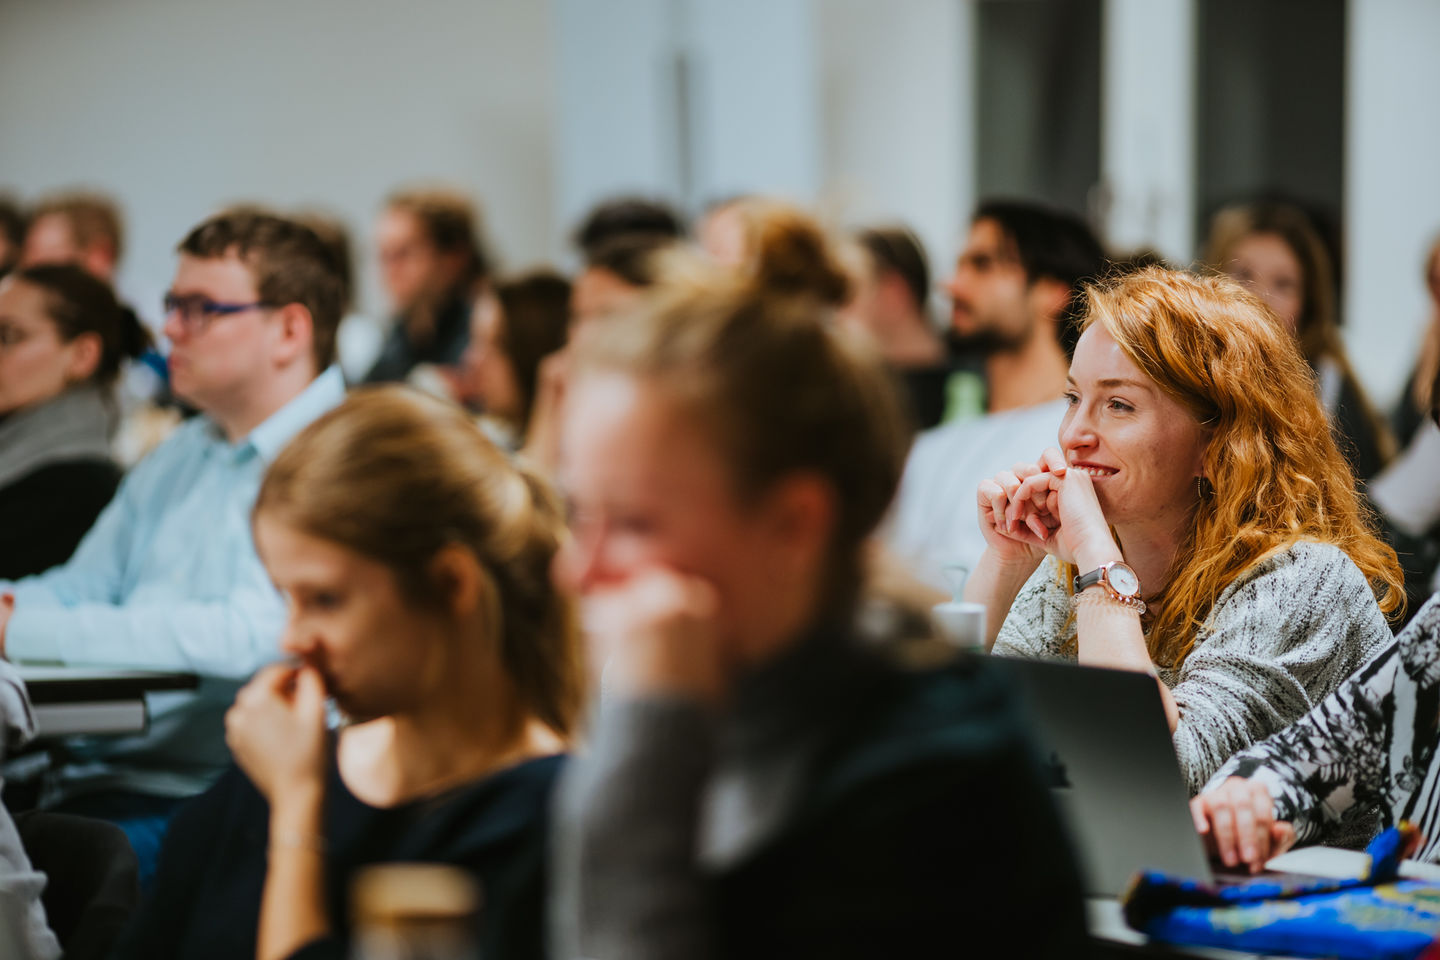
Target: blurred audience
758,781
1405,492
1276,252
415,561
1015,298
619,268
63,337
1413,410
628,217
1195,520
724,230
616,272
12,234
168,578
358,343
85,229
511,335
890,309
433,263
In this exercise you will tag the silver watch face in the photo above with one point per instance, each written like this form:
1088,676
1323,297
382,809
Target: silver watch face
1123,580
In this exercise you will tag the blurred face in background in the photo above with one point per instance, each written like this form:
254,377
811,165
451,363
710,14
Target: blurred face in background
722,235
994,305
51,239
218,362
489,368
412,269
1268,268
36,364
859,314
600,293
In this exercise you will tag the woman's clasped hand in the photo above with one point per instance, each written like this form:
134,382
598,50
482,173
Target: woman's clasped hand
1043,508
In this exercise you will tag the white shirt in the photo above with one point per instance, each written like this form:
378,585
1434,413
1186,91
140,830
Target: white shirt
934,522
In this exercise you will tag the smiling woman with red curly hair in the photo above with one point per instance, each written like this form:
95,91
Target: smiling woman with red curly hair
1197,522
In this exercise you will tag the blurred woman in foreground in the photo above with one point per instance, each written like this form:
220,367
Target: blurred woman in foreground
758,783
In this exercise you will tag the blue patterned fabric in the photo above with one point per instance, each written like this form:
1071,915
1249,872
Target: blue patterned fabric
1375,917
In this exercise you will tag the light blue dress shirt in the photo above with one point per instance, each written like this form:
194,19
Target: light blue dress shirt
168,579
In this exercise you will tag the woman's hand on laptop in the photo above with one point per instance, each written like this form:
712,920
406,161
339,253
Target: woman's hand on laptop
1237,822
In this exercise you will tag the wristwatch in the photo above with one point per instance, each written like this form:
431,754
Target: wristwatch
1116,577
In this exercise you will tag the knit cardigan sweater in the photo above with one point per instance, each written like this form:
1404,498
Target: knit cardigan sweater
1280,639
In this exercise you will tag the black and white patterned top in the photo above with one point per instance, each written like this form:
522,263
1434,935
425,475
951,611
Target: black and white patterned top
1365,748
1278,640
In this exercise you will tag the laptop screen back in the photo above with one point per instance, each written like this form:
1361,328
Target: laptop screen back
1107,750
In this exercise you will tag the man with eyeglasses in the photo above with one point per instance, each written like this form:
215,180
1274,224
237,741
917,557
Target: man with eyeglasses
168,578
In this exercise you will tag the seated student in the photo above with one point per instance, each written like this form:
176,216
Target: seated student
1412,410
62,340
12,233
415,558
1015,296
433,264
1242,572
1276,252
628,216
758,783
167,579
616,274
890,306
511,335
1368,747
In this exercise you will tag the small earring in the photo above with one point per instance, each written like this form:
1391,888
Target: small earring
1200,485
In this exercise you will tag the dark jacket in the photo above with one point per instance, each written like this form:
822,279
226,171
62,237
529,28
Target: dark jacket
400,354
44,514
206,901
842,807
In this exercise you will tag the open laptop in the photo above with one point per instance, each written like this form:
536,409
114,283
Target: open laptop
1107,750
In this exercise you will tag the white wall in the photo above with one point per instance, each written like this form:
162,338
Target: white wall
1147,153
615,103
861,107
686,100
898,116
1392,188
179,106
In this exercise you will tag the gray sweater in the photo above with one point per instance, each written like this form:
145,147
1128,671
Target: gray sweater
1280,639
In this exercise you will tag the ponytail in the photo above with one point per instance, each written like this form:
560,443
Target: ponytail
78,303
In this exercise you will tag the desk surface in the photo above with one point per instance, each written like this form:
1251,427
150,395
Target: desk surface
59,684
